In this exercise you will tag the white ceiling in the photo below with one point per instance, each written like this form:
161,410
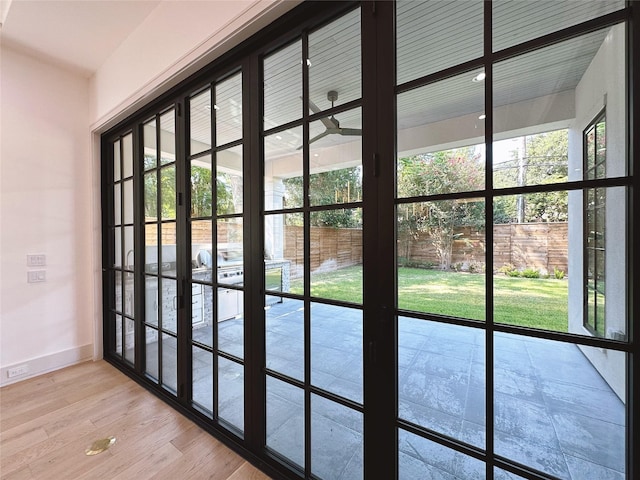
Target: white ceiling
81,34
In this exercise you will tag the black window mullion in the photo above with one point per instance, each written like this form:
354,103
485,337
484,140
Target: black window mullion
489,340
307,253
254,325
379,296
138,246
158,225
183,254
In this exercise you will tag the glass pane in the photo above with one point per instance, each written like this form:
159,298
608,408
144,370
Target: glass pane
499,474
202,314
532,260
129,340
432,36
336,255
116,160
151,248
118,305
601,148
516,21
231,392
229,110
127,156
432,118
441,257
336,159
441,378
168,192
590,153
230,308
531,159
129,296
231,321
421,458
151,300
230,252
129,260
127,189
169,362
568,422
543,92
283,86
336,350
151,351
117,204
336,440
284,252
229,192
200,122
169,301
168,257
283,170
284,324
285,420
151,197
150,145
117,238
201,252
334,62
203,378
167,138
118,334
201,187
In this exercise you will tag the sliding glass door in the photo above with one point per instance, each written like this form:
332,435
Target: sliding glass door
361,245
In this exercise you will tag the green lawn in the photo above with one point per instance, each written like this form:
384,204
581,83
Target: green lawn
539,303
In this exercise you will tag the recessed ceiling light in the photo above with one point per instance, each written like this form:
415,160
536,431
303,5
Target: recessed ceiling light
278,137
316,154
480,77
482,117
216,107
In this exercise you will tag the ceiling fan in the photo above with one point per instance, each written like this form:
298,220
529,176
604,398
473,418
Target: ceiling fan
331,124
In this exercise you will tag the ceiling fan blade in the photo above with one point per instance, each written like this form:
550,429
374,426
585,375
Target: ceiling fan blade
313,107
319,136
349,131
326,121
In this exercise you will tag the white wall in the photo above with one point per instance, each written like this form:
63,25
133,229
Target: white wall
175,40
45,189
602,86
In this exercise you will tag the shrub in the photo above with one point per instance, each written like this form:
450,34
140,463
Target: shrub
559,274
508,270
530,273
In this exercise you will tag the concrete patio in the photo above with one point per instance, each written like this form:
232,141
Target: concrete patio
553,410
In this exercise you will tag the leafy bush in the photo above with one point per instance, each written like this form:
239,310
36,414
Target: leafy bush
559,274
530,273
508,270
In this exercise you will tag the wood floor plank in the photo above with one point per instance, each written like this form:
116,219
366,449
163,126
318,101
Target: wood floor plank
248,472
48,422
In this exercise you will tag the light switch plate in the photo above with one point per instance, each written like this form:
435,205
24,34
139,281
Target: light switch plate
38,260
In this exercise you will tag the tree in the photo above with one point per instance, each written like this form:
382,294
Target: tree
328,188
542,159
451,171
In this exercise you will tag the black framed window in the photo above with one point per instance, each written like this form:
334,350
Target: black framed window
370,242
595,165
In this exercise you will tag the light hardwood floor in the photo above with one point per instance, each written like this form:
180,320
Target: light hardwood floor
47,422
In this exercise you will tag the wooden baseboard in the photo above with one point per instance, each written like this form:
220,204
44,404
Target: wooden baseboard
45,364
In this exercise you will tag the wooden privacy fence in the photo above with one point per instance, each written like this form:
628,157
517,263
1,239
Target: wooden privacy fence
542,246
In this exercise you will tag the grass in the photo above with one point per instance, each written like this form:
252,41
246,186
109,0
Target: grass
529,302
